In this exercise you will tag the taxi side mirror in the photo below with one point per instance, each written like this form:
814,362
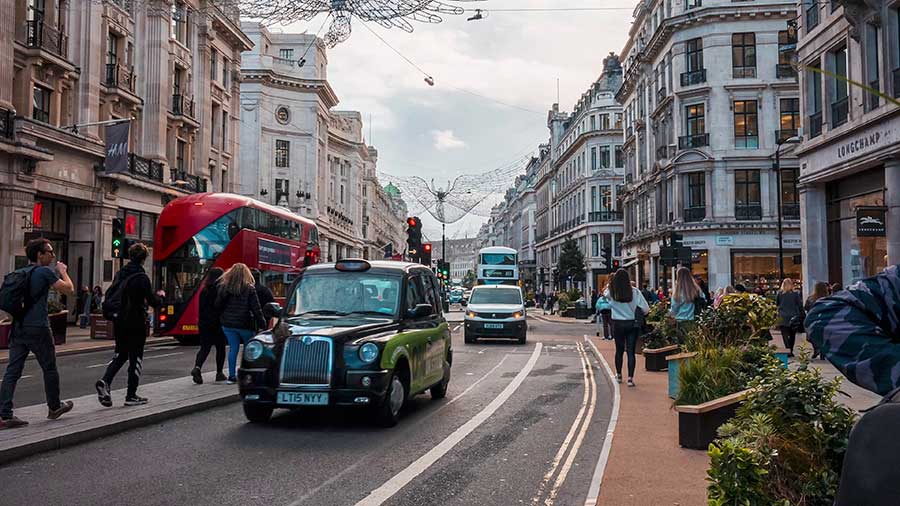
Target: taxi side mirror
464,303
272,310
421,311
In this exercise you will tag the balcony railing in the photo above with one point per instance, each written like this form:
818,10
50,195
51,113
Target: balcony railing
189,182
743,72
127,5
693,141
629,132
693,214
6,123
140,166
815,125
783,135
182,106
693,77
785,71
839,112
662,152
790,211
41,36
661,94
872,100
748,212
117,76
896,78
692,4
604,216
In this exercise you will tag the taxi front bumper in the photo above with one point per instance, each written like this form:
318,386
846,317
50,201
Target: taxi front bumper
260,386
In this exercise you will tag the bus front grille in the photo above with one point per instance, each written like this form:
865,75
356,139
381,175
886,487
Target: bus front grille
307,361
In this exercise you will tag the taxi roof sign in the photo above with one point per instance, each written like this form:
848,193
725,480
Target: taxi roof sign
352,265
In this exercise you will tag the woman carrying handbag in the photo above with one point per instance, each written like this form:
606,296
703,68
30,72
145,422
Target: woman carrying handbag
790,314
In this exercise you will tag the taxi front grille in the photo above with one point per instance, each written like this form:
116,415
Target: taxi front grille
307,361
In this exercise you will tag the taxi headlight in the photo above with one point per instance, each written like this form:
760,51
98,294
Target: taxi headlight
470,314
517,315
253,350
368,353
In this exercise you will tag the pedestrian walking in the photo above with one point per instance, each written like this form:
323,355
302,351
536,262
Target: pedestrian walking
31,328
210,326
603,311
262,293
688,299
820,291
96,299
858,331
704,288
728,290
83,305
125,304
237,302
625,301
790,314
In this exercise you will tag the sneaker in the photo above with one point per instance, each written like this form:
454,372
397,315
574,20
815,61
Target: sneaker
231,381
103,393
598,334
136,400
197,375
63,408
12,423
221,377
618,378
631,382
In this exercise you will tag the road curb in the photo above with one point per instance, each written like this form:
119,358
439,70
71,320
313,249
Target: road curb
547,320
113,427
104,347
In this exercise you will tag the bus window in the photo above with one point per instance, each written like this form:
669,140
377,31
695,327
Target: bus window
498,258
278,282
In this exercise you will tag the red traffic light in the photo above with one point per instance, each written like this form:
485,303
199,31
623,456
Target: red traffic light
426,248
615,264
412,222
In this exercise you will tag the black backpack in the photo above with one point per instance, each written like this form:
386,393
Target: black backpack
15,294
112,301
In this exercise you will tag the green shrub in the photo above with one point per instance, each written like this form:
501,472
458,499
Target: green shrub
741,319
786,444
717,372
573,294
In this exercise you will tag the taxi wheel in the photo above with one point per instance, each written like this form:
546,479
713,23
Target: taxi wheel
388,414
257,413
439,391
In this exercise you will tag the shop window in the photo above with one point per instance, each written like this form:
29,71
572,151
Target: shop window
852,257
758,271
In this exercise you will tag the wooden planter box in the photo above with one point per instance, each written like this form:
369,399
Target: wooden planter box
697,424
568,313
100,328
655,358
674,362
59,323
5,330
583,313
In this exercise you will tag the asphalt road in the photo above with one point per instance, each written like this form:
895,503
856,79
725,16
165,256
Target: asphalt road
517,427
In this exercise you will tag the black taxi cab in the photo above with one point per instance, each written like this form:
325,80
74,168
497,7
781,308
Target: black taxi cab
353,333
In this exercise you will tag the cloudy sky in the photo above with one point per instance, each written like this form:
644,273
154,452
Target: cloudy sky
514,58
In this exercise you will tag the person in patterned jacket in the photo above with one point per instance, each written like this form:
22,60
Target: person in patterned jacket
858,330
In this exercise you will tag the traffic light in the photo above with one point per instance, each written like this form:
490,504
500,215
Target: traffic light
445,270
119,243
425,256
413,237
677,239
607,259
615,265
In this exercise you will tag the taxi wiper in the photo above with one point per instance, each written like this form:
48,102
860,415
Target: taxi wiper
324,312
376,313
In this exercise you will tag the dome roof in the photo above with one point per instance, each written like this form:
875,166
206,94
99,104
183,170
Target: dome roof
392,190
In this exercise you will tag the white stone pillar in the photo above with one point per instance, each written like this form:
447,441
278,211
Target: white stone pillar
7,68
892,201
708,187
813,235
679,197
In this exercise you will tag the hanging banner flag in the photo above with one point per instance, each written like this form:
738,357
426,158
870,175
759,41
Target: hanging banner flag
116,148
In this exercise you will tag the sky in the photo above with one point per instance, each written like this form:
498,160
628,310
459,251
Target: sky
515,58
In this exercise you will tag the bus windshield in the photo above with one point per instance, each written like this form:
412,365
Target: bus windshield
342,293
498,258
181,273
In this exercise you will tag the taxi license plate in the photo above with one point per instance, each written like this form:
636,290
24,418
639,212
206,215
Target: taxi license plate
303,398
493,325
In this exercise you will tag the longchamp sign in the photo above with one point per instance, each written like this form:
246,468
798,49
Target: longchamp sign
863,143
870,222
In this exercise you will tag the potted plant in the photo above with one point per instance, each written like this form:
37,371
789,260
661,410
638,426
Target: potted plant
59,320
659,343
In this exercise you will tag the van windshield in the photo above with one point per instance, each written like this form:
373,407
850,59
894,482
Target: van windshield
496,296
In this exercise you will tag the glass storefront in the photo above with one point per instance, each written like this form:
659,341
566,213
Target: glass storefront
851,257
758,270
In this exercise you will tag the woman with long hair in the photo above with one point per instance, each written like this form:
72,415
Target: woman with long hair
820,290
604,312
686,297
728,290
790,314
241,315
624,301
211,333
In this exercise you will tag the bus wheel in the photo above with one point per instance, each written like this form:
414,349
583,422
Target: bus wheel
188,339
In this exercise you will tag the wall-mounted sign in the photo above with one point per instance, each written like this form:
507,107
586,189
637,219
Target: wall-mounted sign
870,222
274,253
724,240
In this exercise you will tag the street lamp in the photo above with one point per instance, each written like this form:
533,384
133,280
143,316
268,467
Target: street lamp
777,166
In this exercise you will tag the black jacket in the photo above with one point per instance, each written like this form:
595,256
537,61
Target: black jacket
789,305
136,297
210,318
240,311
264,294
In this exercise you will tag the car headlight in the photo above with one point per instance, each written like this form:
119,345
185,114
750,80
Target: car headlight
517,315
253,350
368,353
470,314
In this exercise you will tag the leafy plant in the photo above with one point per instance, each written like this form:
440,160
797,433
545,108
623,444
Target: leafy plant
571,260
664,329
741,319
574,294
563,301
717,372
786,444
54,306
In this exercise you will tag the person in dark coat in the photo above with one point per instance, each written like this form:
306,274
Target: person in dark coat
262,291
130,326
210,327
237,302
790,312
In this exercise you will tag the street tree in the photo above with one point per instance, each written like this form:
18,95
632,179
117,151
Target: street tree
571,261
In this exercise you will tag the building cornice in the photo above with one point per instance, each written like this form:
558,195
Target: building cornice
268,77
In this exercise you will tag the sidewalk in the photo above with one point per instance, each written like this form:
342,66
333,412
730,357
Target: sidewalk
79,340
537,314
89,420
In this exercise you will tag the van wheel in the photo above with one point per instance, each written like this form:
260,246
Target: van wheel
388,413
257,413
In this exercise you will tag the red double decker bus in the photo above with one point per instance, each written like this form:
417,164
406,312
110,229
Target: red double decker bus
198,232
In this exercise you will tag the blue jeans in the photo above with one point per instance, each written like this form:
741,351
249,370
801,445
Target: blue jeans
235,338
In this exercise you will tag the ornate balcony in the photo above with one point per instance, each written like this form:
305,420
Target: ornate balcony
694,214
189,182
117,76
743,72
661,94
815,125
41,36
142,167
748,212
693,141
693,77
840,110
6,123
785,71
604,216
790,211
182,106
692,4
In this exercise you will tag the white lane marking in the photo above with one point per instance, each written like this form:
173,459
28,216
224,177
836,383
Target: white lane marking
346,471
148,356
392,486
597,479
568,439
26,376
456,328
97,365
481,352
564,471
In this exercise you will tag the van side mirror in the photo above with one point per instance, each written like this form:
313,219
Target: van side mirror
272,310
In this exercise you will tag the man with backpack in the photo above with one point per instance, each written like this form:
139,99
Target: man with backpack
126,305
24,297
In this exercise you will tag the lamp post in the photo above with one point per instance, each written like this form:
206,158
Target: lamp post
777,166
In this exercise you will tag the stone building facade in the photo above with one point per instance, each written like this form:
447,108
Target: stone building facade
69,68
709,95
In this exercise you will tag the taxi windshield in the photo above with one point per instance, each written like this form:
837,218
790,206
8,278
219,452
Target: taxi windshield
344,293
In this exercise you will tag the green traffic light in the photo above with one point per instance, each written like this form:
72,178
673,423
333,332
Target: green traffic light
116,242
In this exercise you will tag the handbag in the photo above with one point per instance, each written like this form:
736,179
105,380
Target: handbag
796,323
640,320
